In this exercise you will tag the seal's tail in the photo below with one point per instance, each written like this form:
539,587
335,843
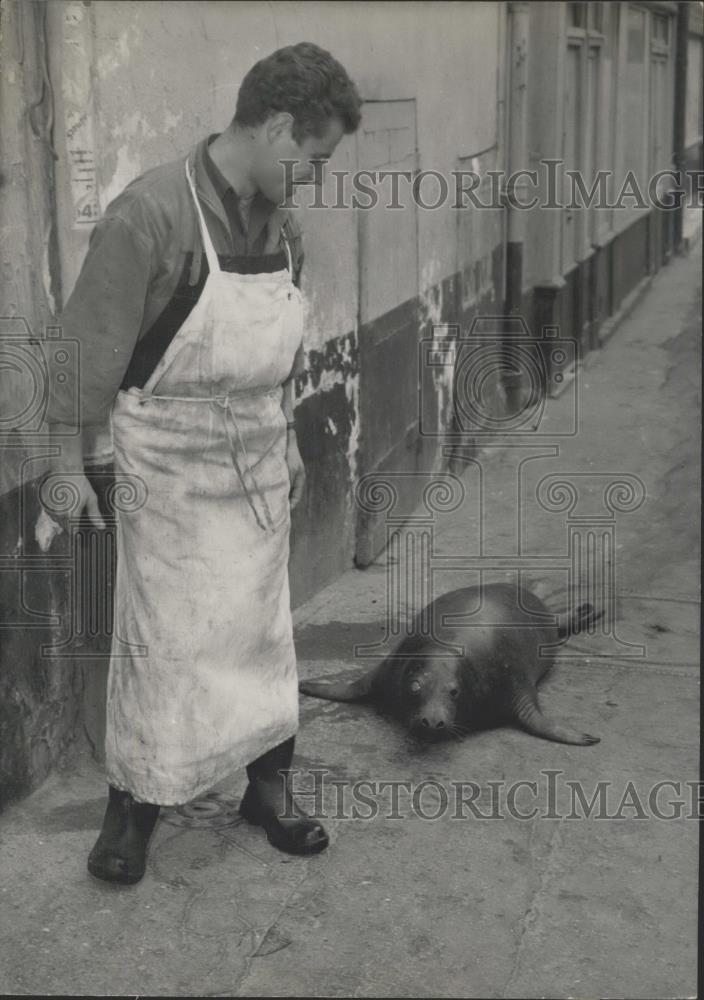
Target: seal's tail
581,619
339,690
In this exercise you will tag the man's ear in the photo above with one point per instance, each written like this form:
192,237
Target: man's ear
279,126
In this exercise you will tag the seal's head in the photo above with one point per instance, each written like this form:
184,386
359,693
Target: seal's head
431,694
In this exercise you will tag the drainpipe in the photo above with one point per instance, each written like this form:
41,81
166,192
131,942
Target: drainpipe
680,110
518,32
41,154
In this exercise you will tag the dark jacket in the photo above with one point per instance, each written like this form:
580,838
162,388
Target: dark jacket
136,255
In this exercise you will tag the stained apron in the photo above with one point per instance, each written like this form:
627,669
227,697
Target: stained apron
208,681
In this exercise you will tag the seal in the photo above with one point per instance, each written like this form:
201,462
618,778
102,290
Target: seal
490,680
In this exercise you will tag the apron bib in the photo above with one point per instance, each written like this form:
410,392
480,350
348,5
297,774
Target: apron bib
202,604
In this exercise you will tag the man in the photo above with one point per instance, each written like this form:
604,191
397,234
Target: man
190,322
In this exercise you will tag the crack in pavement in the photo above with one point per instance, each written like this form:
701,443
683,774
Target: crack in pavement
222,833
258,939
156,850
532,911
272,924
184,930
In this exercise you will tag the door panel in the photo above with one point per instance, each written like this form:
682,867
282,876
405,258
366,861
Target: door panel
571,153
388,309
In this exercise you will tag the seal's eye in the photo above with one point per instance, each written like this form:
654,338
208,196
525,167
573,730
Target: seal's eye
454,694
414,687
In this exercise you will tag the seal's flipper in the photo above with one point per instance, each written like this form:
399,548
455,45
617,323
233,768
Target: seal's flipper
339,690
527,714
582,617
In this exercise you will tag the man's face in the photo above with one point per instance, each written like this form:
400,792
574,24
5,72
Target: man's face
276,144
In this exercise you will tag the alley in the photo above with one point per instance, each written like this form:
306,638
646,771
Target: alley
454,906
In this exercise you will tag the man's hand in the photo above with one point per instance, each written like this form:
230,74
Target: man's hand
68,464
296,470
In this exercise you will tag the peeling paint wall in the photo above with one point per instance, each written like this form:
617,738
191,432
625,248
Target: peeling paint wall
39,695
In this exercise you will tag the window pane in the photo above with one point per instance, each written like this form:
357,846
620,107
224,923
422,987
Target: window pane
661,25
633,122
576,15
636,36
612,31
596,11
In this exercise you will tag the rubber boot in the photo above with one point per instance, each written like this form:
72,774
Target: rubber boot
120,852
268,802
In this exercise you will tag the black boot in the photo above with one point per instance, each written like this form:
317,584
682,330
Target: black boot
120,852
268,802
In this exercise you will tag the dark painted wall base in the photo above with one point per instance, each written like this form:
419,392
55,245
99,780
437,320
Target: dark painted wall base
597,288
406,397
322,526
40,696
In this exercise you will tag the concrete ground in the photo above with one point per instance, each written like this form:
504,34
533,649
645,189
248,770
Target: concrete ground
453,907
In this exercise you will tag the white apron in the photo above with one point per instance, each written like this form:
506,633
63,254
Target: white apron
202,567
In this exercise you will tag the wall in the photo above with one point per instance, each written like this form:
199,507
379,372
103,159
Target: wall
39,692
693,131
695,82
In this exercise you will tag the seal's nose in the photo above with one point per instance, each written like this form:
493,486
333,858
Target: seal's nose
428,725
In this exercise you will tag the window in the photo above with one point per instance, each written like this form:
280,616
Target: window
634,102
636,36
583,139
611,31
596,16
661,27
576,14
586,16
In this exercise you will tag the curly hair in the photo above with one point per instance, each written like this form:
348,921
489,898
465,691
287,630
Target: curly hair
308,83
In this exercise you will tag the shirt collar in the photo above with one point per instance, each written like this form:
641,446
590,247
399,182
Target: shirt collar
262,208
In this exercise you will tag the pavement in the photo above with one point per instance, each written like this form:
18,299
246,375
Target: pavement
476,902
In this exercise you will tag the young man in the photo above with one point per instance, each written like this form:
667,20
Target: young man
190,322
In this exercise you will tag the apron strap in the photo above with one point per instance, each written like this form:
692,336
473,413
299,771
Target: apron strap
225,405
213,262
288,251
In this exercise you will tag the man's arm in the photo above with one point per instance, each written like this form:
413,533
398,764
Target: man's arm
103,316
287,400
296,469
297,368
294,461
295,237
